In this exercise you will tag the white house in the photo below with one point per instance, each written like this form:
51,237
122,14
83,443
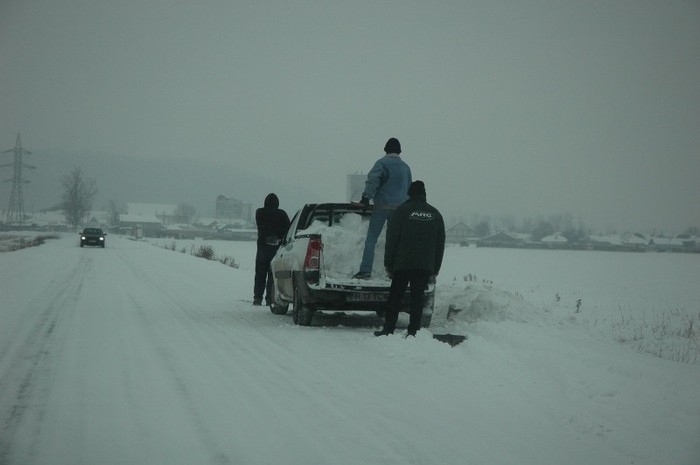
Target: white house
555,239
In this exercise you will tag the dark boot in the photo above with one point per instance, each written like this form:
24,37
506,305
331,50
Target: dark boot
383,332
362,275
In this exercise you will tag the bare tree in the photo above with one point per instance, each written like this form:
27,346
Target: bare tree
483,229
115,210
543,229
185,212
78,194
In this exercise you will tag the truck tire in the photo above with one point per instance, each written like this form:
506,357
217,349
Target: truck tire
302,314
277,307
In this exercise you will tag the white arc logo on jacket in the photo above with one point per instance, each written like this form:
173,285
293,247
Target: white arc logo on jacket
424,216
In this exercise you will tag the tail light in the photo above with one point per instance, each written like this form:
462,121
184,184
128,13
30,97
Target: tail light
312,261
313,255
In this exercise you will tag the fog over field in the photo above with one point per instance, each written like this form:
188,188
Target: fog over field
503,108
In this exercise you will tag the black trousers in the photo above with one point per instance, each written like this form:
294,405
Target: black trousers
418,279
263,273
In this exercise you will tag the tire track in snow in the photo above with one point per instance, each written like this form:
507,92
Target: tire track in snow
269,366
27,361
216,453
197,419
303,386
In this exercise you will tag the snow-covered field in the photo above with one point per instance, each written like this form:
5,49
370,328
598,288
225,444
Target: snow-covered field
136,354
648,301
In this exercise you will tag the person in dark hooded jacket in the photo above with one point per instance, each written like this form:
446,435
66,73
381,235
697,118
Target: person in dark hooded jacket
272,224
415,245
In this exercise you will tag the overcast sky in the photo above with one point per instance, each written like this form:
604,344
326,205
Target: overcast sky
519,107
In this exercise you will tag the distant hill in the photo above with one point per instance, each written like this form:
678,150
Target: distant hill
129,179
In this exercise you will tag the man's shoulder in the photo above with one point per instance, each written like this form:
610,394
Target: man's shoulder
435,211
419,210
391,158
403,209
433,208
270,212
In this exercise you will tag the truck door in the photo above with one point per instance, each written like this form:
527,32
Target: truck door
284,261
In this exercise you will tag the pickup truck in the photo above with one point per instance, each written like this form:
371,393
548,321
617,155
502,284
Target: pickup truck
317,258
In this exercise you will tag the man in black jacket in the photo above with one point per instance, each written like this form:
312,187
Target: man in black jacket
415,245
272,224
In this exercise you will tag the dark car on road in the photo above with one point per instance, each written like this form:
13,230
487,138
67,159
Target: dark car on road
92,236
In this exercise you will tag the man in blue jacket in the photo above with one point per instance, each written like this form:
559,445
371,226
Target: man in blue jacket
415,245
387,184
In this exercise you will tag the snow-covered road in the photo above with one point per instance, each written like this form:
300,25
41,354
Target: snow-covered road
134,354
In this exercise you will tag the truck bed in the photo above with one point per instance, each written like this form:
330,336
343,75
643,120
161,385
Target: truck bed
319,256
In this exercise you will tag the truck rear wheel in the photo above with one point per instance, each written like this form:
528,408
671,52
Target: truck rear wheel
301,313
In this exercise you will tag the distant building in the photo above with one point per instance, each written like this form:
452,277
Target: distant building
635,242
666,244
231,209
355,186
690,243
460,234
555,241
618,242
604,242
148,225
501,239
166,213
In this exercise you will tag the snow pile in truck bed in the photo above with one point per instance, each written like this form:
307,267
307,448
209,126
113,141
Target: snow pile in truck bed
343,244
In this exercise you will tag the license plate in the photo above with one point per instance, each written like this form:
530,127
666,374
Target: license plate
367,297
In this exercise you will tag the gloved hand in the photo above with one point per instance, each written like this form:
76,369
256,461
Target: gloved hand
365,202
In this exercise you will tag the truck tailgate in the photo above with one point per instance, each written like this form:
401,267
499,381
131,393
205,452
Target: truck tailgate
368,286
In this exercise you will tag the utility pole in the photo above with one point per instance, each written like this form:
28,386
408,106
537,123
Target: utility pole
15,212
